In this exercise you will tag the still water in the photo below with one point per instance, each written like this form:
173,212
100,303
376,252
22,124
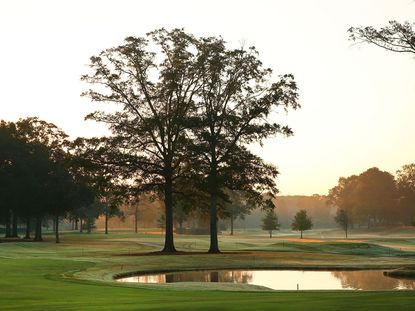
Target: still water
285,279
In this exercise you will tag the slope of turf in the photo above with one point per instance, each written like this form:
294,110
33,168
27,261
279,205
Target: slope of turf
77,274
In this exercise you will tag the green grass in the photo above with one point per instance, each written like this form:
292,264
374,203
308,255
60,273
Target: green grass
77,274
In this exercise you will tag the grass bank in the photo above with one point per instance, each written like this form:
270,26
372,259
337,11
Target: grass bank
78,273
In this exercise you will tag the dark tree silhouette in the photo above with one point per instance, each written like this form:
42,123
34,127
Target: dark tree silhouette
396,37
235,105
38,174
155,95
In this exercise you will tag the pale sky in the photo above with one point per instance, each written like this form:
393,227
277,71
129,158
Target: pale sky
358,101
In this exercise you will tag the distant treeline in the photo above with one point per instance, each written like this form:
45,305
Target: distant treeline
375,198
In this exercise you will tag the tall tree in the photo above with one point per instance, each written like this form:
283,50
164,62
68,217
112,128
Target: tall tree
301,222
270,222
343,219
376,197
235,105
396,37
153,80
343,197
405,181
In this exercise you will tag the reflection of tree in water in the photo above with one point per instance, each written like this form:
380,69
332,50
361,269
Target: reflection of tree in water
157,278
208,276
235,276
370,280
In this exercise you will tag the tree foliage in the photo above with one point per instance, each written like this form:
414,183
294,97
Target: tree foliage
270,222
301,222
405,181
153,80
375,197
38,176
180,97
236,106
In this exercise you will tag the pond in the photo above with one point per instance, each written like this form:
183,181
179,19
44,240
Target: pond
285,279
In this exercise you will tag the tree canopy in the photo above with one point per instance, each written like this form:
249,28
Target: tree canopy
180,99
270,222
301,222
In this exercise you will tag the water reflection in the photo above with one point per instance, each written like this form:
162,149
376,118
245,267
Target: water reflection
371,280
286,279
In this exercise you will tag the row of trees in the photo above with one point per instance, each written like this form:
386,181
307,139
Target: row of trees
43,177
186,108
375,198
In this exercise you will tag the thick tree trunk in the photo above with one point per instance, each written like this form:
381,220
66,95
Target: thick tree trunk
56,220
8,232
136,219
38,229
14,225
270,234
301,234
27,236
106,220
214,244
76,224
168,203
231,224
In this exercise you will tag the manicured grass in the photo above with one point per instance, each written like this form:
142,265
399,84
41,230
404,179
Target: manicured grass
77,274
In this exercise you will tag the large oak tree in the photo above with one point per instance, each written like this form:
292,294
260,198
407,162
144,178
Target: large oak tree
153,80
236,106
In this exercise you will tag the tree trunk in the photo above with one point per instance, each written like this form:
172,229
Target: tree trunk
270,234
14,225
106,219
27,236
168,203
76,224
301,236
346,231
56,220
81,227
136,219
231,224
214,245
38,229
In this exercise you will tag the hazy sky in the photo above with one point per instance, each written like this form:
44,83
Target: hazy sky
358,101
